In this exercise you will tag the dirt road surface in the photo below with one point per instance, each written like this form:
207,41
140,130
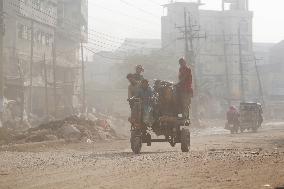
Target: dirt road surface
216,160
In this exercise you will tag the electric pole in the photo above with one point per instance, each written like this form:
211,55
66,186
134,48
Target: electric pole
31,68
226,70
45,88
241,66
54,77
190,57
191,53
22,96
260,88
2,30
187,57
83,81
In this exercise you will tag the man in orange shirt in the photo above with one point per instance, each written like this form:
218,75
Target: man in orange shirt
185,87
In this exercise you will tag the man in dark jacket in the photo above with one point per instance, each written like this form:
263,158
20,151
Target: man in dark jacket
145,94
185,87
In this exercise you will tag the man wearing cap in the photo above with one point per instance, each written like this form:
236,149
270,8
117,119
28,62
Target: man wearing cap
138,73
185,87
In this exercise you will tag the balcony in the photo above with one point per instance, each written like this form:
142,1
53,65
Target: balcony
44,12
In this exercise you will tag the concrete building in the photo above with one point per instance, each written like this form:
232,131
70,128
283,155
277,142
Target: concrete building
214,34
33,28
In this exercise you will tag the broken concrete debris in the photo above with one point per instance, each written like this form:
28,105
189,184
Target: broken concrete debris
72,128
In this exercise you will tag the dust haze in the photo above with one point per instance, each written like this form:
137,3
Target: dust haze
141,94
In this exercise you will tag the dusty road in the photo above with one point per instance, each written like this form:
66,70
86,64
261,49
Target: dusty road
219,160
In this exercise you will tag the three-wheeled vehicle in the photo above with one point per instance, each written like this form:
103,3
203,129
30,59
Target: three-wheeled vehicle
167,120
250,116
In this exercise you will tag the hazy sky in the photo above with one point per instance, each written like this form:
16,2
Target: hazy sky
141,18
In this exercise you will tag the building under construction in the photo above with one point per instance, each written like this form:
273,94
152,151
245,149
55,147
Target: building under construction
220,42
41,52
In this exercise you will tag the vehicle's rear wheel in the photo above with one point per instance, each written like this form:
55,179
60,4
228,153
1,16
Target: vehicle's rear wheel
136,142
185,140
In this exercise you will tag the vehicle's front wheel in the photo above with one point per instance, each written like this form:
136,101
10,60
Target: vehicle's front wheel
136,142
185,140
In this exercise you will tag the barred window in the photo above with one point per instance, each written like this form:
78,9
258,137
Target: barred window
20,31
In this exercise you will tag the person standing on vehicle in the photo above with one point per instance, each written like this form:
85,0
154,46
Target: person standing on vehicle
138,73
145,94
185,87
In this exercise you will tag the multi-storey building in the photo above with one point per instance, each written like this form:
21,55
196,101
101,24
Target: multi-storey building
44,36
215,34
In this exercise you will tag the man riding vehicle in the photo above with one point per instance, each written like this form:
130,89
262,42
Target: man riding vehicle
156,112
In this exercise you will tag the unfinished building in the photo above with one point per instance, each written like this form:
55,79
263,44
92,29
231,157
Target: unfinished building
220,42
41,51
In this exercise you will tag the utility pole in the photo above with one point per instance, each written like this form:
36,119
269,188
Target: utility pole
241,65
31,69
227,70
192,55
83,81
54,78
187,56
2,30
260,88
45,88
21,74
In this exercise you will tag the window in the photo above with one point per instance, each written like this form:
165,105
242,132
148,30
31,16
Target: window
28,33
36,4
38,37
20,31
24,32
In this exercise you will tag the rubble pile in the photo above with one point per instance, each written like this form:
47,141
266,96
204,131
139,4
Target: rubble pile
72,128
6,135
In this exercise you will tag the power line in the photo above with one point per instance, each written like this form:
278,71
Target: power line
124,14
96,53
138,8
